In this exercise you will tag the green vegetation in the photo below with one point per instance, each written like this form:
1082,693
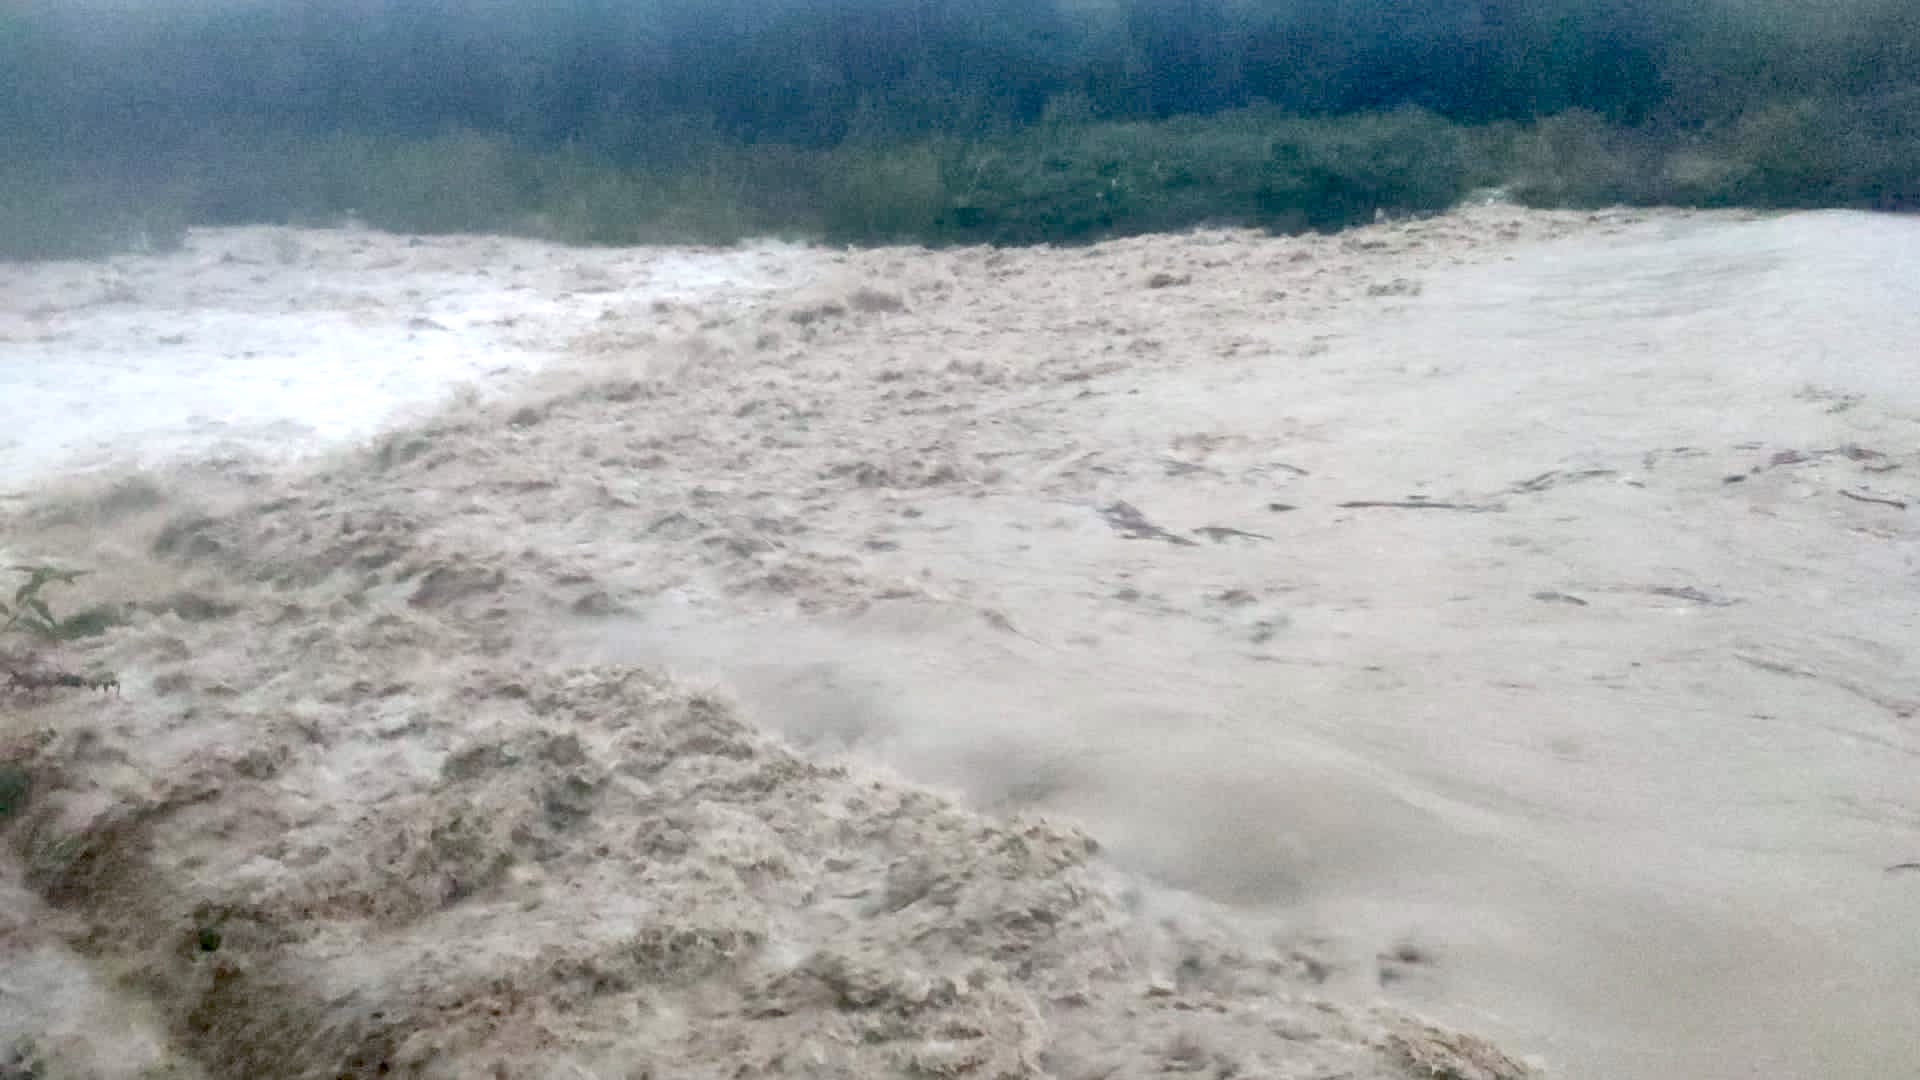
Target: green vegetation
30,615
22,1061
51,214
1054,183
1831,152
29,612
16,786
1068,183
936,121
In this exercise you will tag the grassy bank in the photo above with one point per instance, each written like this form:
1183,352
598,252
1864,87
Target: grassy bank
1059,181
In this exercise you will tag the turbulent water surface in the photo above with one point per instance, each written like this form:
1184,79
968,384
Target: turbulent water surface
1511,613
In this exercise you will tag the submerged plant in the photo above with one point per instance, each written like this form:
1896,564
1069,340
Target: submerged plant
29,612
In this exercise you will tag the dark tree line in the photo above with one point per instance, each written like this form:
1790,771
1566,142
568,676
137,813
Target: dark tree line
640,78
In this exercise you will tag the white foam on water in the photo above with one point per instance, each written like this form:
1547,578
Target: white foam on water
278,342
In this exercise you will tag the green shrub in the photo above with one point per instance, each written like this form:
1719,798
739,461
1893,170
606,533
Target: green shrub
1067,178
1863,153
474,183
875,195
1334,174
454,183
1578,159
1074,182
48,215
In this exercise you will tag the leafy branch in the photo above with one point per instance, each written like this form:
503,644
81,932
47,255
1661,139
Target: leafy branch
29,612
